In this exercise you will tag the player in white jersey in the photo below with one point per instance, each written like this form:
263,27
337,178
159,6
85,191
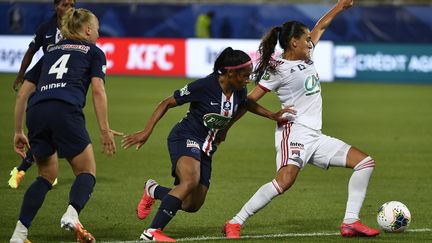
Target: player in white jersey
294,79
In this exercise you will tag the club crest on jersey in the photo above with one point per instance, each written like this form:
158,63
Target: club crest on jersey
295,152
227,105
184,91
215,121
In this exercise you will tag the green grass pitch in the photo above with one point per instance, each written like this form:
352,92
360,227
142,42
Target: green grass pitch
392,123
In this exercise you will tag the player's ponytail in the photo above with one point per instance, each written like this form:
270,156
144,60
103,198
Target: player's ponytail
230,59
72,23
266,50
289,30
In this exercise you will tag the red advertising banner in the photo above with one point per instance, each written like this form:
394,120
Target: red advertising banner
139,56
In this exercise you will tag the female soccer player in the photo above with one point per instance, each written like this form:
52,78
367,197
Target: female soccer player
66,72
191,143
48,33
295,81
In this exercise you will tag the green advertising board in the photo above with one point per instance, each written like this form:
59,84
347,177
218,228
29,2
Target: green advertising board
384,62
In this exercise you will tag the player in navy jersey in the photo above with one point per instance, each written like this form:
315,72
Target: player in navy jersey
294,79
192,142
48,33
58,86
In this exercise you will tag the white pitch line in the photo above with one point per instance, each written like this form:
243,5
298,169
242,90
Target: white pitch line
203,238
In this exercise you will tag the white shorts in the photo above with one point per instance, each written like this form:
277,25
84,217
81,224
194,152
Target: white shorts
299,145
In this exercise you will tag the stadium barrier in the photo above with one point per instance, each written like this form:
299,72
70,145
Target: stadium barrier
194,58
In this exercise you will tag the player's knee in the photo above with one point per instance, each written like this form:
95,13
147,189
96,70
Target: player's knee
189,184
193,208
367,162
192,205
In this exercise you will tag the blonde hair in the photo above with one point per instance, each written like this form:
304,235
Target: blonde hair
72,23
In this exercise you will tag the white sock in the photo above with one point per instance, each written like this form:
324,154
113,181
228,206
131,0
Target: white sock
357,187
20,233
259,200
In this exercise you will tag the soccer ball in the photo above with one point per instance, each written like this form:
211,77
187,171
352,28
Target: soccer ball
393,217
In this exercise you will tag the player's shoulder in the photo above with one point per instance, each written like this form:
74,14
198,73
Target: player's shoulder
205,82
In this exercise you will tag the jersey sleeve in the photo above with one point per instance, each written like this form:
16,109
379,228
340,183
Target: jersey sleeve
34,73
38,38
189,93
269,81
98,64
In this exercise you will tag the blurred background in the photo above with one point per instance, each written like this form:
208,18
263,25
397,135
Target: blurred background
386,40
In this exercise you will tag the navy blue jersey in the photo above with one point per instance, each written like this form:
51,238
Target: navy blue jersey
46,34
65,72
209,111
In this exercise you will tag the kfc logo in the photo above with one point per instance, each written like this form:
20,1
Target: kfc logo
141,56
147,56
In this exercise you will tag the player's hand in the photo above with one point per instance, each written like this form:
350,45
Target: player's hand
108,143
115,133
17,83
345,4
221,136
138,138
21,144
284,115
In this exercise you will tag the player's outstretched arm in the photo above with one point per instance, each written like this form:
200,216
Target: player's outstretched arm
20,140
327,18
140,137
100,104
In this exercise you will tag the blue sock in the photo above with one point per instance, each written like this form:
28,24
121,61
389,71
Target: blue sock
167,210
26,162
81,190
160,192
33,200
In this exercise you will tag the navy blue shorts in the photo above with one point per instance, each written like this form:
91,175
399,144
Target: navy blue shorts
54,125
191,148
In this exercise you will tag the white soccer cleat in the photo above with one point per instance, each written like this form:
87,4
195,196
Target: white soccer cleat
69,219
20,234
70,222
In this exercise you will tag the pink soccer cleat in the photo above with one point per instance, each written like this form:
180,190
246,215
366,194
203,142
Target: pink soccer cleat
145,205
232,231
357,229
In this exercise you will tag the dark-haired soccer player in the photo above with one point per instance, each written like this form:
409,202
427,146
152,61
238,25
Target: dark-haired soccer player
191,144
293,77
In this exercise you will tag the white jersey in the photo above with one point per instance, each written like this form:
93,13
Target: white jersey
297,83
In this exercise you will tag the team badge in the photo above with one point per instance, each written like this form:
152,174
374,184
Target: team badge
227,105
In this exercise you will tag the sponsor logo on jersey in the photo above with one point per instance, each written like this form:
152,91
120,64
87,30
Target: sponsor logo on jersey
266,76
70,47
184,91
192,144
48,36
296,145
215,121
312,85
213,103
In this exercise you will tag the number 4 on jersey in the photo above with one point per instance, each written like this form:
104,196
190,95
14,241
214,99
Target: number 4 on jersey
59,67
